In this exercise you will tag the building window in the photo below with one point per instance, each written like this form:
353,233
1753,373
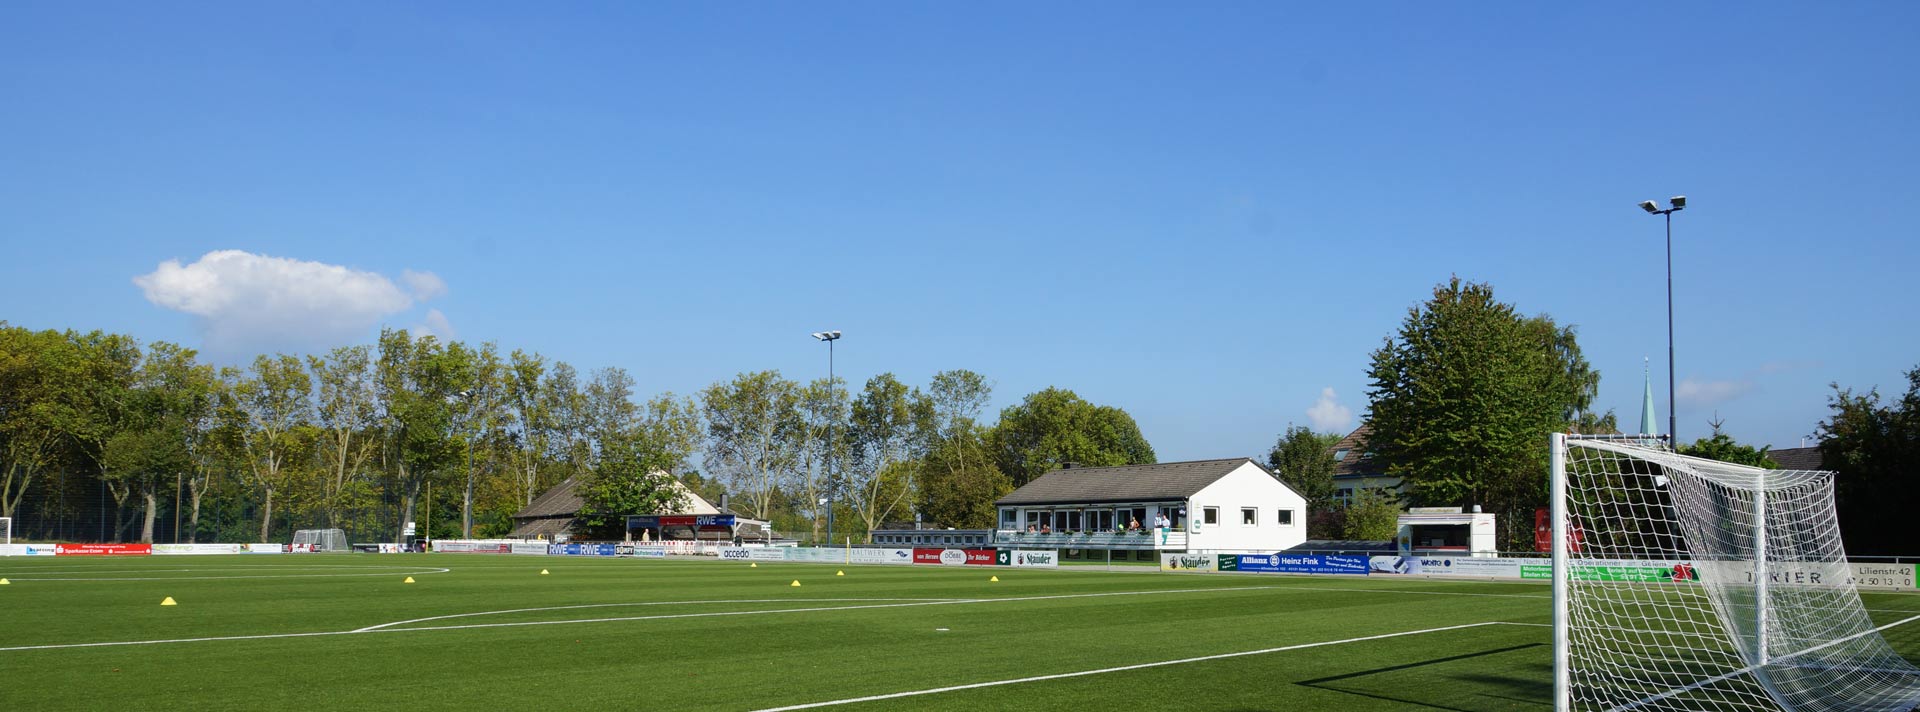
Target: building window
1341,454
1211,516
1286,518
1249,517
1008,520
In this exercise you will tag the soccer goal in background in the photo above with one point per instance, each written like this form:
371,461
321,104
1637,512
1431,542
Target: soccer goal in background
320,540
6,536
1689,584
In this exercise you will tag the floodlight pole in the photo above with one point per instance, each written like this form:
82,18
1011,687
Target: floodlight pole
832,432
1675,204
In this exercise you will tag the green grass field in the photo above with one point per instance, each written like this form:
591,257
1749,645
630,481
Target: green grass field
490,632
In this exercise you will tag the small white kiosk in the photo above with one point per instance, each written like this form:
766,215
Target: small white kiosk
1447,531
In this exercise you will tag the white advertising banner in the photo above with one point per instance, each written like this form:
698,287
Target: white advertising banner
1188,562
1045,558
266,549
748,553
1480,567
1899,577
26,550
195,549
534,548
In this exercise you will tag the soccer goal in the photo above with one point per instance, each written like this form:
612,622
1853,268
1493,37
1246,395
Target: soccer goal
319,540
1689,584
6,536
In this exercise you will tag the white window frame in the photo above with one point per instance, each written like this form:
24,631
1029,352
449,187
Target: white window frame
1283,517
1247,513
1210,516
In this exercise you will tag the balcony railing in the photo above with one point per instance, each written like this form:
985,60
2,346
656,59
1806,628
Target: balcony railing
1167,539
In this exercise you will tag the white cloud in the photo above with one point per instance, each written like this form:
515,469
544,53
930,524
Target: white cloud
1707,394
249,303
437,325
425,285
1328,415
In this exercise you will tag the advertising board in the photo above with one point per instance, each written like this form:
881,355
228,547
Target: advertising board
1861,574
27,550
648,552
195,549
269,548
536,548
954,557
1294,563
463,546
1189,562
103,549
752,553
583,550
1046,558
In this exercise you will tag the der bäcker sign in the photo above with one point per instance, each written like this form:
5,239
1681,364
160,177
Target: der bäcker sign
703,521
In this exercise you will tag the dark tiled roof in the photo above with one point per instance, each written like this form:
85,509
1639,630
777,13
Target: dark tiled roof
545,528
1129,483
1357,463
557,502
1798,458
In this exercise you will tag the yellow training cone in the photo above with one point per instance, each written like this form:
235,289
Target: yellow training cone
409,580
753,566
839,573
4,582
996,578
543,572
168,602
796,582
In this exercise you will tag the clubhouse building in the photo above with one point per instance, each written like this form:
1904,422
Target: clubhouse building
1205,505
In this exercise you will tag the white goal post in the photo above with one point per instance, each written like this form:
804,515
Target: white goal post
320,540
1681,583
6,536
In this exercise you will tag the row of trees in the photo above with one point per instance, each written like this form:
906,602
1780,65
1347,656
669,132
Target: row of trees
1464,395
357,437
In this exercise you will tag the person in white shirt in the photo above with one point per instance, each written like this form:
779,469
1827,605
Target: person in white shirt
1161,521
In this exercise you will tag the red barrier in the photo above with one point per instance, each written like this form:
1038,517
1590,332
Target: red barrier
103,549
954,557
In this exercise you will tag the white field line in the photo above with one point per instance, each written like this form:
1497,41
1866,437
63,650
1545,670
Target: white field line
378,629
1750,668
397,572
1123,668
372,628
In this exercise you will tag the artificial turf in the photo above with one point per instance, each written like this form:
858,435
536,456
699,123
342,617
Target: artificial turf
698,634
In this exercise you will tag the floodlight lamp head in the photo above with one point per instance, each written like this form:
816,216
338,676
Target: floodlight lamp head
826,335
1648,206
1679,201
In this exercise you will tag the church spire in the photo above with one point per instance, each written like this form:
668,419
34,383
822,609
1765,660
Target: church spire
1647,426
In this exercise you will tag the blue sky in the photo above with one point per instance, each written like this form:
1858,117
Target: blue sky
1206,216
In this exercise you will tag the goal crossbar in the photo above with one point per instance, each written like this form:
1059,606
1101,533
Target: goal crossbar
1754,608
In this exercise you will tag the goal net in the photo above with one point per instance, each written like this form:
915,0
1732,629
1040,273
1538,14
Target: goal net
1689,584
320,540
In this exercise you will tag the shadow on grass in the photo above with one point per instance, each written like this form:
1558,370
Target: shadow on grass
1524,686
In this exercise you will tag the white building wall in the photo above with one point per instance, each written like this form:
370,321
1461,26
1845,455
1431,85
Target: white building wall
1247,486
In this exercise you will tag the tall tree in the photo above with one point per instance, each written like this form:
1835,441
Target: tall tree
958,482
1874,445
274,397
1304,460
1055,426
44,394
110,363
346,415
751,423
171,397
1464,395
885,439
482,402
416,382
532,421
